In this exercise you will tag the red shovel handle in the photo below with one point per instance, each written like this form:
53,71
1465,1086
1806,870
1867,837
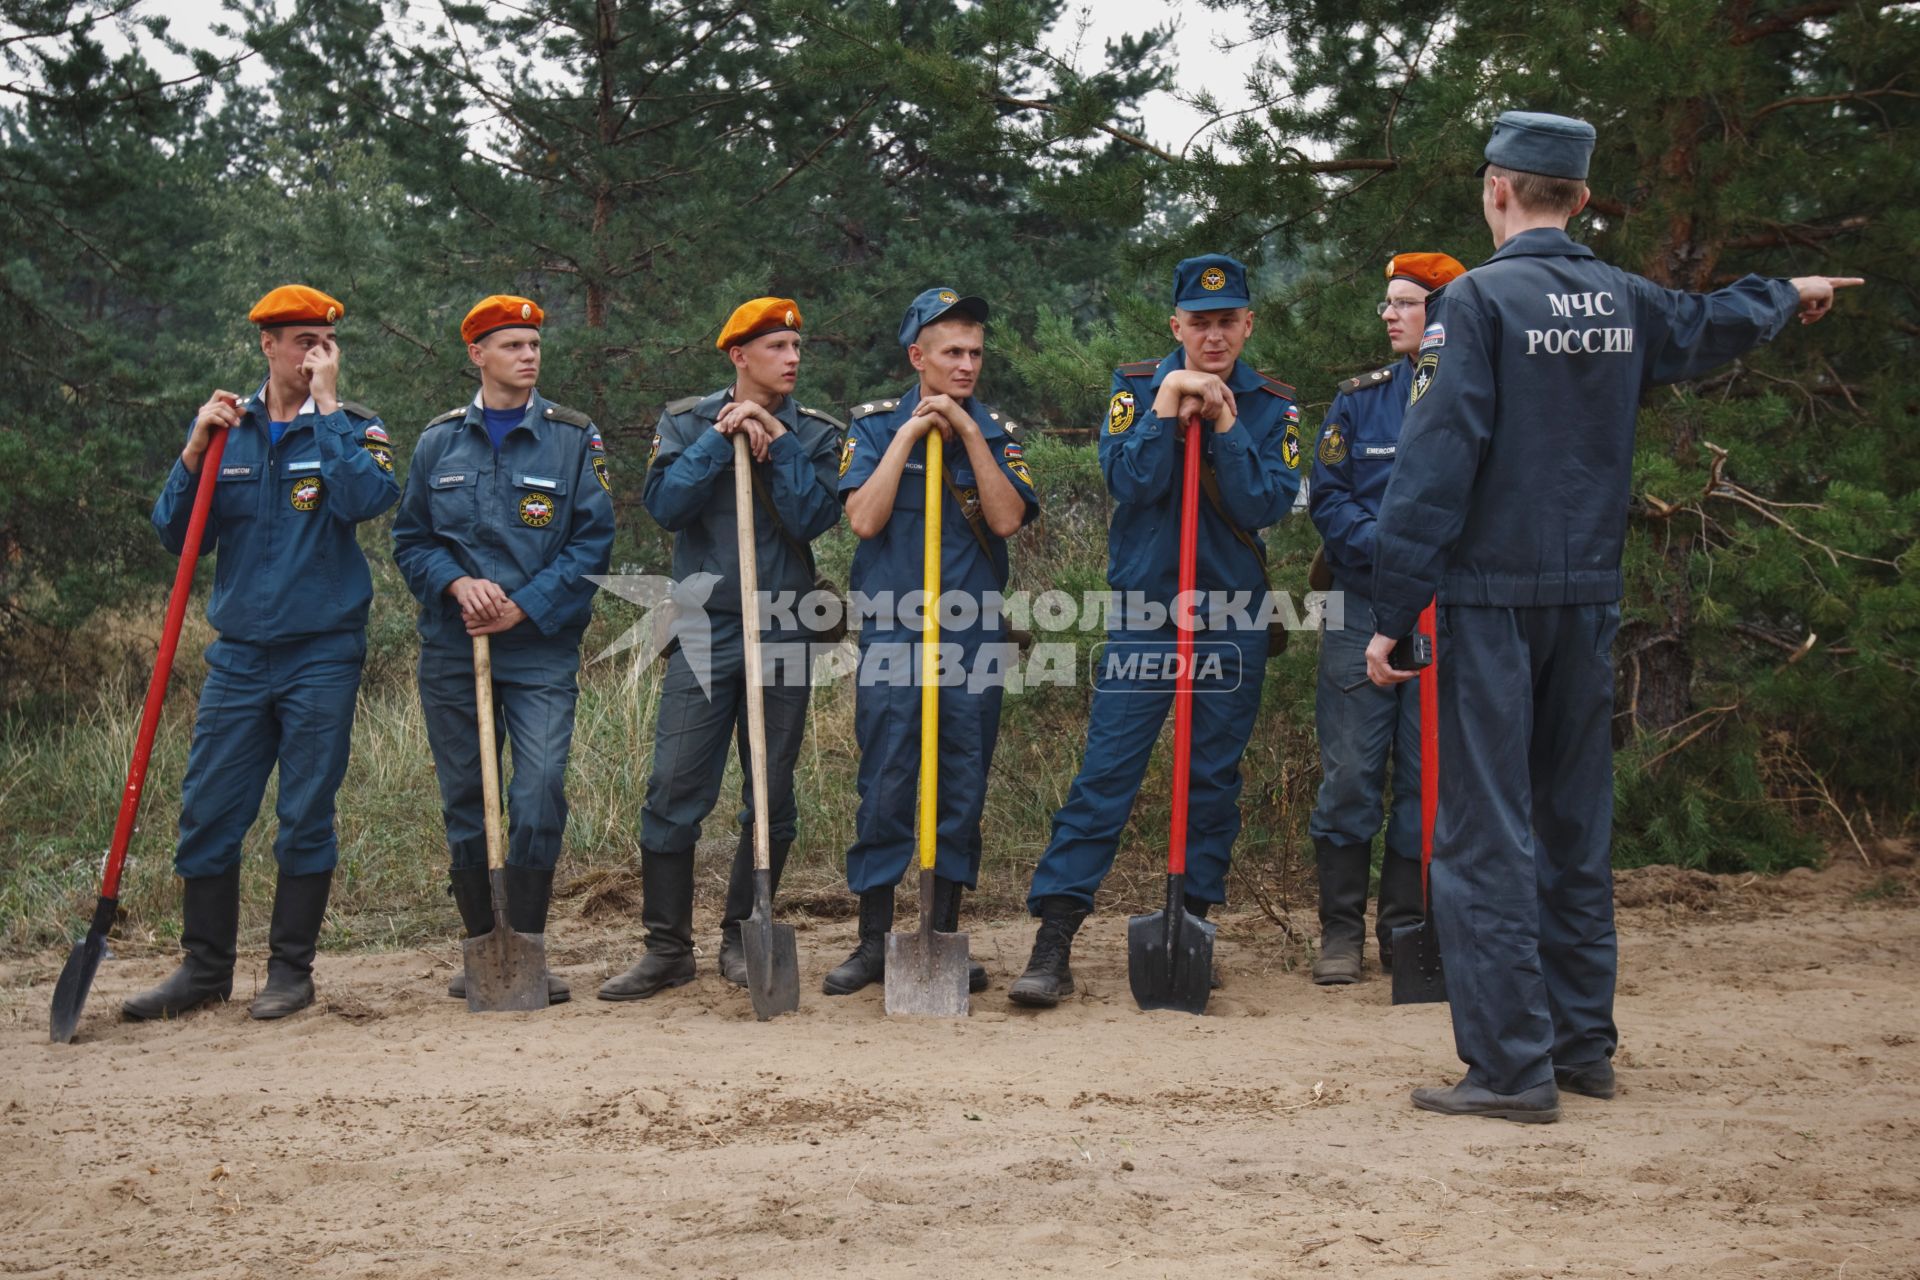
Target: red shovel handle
163,665
1183,649
1429,748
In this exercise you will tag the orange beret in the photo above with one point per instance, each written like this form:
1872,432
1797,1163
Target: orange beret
1428,270
758,318
295,304
500,311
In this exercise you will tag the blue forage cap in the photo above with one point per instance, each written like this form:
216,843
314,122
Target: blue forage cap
1534,142
937,304
1210,282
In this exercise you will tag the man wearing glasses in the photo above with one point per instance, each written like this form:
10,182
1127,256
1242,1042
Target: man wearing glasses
1361,729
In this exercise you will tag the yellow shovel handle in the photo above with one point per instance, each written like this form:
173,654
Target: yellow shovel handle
930,657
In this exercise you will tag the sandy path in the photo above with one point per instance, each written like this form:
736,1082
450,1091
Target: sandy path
1769,1126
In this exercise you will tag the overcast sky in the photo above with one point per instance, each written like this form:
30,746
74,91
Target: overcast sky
1200,58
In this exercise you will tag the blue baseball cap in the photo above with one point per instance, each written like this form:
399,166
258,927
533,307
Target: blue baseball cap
1210,282
1534,142
938,304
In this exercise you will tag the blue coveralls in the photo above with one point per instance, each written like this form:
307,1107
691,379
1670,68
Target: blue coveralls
888,567
689,490
290,596
1359,728
537,519
1510,498
1257,464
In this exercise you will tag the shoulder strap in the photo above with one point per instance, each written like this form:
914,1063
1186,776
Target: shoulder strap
765,499
448,416
1138,368
572,417
357,409
683,404
1210,484
1370,379
975,521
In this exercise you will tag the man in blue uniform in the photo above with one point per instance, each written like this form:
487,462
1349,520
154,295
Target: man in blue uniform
703,707
1360,728
1510,498
988,496
507,513
302,467
1251,460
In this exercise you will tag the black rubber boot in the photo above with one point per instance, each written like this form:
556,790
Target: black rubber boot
1049,979
299,909
1343,911
666,908
209,927
529,895
946,919
733,957
868,963
472,891
1400,902
1198,908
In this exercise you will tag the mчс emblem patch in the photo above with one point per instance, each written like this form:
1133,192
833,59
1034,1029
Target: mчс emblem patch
536,510
306,493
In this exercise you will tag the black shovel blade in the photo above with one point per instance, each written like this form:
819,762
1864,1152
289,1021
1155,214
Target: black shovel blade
76,979
927,974
1417,974
506,971
1170,959
773,964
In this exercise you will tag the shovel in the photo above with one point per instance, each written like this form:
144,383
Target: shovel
773,963
1170,952
76,979
506,971
927,971
1417,975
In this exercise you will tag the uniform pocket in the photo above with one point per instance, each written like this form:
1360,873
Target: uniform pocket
237,491
450,498
538,499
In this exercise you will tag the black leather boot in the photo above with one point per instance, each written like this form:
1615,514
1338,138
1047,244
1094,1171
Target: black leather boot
666,908
1198,908
472,891
1343,911
868,963
733,956
1049,979
299,909
946,919
209,927
1400,902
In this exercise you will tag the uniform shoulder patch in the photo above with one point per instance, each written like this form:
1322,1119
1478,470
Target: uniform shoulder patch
1361,382
1273,386
448,416
1138,369
825,417
872,407
683,404
357,409
572,417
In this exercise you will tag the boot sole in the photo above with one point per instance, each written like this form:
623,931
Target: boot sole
1516,1115
1335,980
833,990
621,997
167,1014
1036,999
260,1011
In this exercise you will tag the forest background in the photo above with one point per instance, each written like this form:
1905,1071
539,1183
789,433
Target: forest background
642,167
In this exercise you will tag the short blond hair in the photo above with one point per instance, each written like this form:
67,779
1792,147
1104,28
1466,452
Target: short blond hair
1539,193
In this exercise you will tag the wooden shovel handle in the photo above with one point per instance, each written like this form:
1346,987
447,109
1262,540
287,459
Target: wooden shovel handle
750,635
489,752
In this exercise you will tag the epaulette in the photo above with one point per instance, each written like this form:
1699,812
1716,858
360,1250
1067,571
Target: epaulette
825,417
1273,386
683,404
572,417
1138,369
449,416
872,407
1007,425
1361,382
357,409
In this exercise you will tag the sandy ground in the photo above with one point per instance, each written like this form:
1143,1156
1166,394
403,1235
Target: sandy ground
1769,1123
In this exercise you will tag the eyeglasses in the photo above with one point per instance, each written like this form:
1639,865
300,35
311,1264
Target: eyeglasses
1397,304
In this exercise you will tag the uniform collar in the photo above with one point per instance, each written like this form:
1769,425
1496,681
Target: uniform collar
711,407
1242,377
259,401
1541,242
530,418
